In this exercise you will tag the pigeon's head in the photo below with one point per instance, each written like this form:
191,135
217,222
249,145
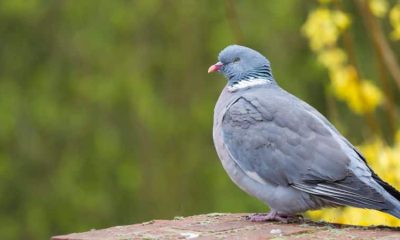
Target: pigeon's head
238,63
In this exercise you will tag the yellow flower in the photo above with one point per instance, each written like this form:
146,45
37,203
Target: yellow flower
372,96
341,19
343,79
354,98
378,7
394,17
361,96
323,27
332,58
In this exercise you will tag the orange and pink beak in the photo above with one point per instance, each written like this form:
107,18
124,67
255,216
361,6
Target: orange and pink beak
216,67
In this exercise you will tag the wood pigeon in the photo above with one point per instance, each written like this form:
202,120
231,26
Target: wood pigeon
282,151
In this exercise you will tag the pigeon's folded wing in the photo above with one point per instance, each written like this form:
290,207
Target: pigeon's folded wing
278,139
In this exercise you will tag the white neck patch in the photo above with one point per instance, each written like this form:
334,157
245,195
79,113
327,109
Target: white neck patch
248,83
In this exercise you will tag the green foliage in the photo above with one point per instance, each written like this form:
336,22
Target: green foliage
106,107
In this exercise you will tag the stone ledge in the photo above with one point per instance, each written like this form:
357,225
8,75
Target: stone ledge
232,226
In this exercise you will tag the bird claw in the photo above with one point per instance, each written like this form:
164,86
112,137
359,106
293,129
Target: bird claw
274,216
258,217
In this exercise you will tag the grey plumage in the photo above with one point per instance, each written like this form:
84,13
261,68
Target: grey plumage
281,150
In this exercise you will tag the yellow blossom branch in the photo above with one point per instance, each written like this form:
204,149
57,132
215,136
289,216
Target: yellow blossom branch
384,54
370,118
346,76
379,39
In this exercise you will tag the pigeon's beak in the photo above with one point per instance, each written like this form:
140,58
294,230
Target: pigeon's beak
216,67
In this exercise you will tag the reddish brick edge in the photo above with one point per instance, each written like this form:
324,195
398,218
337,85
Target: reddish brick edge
232,226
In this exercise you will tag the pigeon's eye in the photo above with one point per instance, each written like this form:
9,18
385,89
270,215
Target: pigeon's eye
237,59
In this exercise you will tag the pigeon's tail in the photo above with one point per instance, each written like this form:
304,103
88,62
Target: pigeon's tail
394,196
395,212
395,207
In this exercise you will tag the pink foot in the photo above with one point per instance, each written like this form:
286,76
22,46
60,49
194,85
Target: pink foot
274,216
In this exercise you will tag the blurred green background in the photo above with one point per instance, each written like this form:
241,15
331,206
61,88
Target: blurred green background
106,106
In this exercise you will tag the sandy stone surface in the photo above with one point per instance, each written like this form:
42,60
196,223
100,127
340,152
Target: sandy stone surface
233,226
